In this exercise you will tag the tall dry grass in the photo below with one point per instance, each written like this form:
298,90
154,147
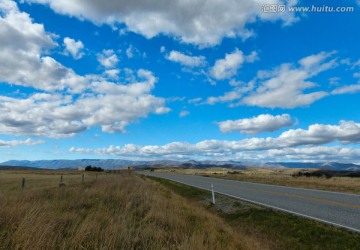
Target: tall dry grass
113,212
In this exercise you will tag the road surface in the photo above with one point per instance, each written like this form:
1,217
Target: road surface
339,209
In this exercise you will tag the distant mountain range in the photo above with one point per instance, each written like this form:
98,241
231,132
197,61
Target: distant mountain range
3,167
82,163
118,163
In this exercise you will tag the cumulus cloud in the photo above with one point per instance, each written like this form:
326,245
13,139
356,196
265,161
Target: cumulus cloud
313,138
74,48
15,143
227,67
258,124
227,97
287,86
202,22
61,102
108,58
316,154
346,132
23,44
130,52
348,89
302,154
109,105
112,74
183,113
284,87
239,90
183,151
186,60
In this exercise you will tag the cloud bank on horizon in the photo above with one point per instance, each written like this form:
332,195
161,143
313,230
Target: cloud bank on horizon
177,80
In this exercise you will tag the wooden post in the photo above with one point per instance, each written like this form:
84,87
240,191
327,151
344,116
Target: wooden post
82,178
213,194
23,184
61,184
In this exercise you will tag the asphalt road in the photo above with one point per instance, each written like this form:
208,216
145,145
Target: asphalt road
339,209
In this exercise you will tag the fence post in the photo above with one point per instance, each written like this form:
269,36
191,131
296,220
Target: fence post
23,184
213,194
82,179
61,179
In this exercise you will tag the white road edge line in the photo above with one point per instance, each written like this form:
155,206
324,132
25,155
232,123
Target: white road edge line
276,208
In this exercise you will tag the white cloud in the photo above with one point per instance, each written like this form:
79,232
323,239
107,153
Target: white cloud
73,47
189,61
334,81
287,86
107,104
130,52
239,90
112,74
258,124
202,22
108,58
183,113
346,132
227,97
307,141
252,57
315,154
228,67
348,89
303,154
66,103
15,143
284,87
23,44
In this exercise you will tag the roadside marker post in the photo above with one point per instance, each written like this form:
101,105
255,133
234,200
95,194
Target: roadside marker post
213,194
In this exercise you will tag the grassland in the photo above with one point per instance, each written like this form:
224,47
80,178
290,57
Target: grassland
281,177
126,211
111,212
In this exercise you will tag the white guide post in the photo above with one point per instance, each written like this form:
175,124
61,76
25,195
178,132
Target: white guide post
213,194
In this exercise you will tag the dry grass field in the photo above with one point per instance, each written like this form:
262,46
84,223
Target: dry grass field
281,177
127,211
111,212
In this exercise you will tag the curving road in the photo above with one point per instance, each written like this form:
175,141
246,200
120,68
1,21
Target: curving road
339,209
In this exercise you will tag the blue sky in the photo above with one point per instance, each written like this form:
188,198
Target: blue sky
180,80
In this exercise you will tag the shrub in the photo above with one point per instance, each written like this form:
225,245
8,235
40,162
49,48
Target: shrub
94,169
